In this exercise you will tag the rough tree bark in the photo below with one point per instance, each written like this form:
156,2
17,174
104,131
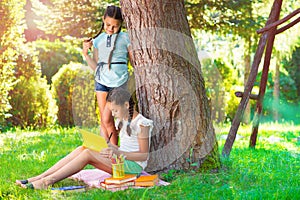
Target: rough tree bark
170,88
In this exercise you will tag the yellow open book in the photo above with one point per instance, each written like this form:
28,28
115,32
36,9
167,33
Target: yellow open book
93,141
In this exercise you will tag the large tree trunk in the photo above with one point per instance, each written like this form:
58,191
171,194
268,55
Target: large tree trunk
170,88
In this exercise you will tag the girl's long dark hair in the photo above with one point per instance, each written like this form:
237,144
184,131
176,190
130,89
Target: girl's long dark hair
119,96
115,13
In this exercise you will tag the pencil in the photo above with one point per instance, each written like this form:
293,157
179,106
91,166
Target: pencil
109,137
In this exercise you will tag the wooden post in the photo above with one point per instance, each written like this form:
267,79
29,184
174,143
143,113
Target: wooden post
253,73
263,82
268,33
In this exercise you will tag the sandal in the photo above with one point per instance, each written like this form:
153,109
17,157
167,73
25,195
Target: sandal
21,182
28,186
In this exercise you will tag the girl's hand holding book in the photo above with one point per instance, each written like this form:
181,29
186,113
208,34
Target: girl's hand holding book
107,152
110,151
114,149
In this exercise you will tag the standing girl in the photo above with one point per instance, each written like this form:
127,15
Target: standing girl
135,132
109,61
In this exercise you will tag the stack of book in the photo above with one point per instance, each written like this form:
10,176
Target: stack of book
129,180
119,183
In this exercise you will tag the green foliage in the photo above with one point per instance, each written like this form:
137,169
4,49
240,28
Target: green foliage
214,89
58,17
237,22
73,90
292,65
52,55
271,171
219,83
288,105
237,17
32,104
11,27
212,162
231,106
172,174
27,64
287,111
7,80
30,98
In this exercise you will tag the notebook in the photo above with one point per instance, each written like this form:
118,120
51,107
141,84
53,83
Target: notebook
93,141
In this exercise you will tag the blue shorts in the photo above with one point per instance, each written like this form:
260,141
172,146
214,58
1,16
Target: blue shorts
103,88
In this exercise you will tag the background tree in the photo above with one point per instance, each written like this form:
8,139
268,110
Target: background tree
53,55
221,67
226,22
170,88
71,18
282,50
28,98
72,89
292,65
240,19
10,37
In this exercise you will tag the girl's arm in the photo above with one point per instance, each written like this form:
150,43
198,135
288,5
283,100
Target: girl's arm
92,62
129,49
143,140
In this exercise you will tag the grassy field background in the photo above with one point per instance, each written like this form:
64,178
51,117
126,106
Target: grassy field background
270,171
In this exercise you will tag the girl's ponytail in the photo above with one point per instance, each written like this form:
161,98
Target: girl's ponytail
119,96
115,13
130,110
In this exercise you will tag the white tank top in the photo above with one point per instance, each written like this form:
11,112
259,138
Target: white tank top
130,143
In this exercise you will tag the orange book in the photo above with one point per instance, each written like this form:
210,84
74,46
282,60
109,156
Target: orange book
126,178
146,180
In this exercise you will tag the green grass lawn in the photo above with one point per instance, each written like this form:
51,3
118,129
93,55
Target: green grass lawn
271,171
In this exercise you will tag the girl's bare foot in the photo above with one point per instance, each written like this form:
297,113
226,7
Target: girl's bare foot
37,185
30,180
21,182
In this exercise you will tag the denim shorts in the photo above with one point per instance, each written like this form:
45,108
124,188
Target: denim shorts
103,88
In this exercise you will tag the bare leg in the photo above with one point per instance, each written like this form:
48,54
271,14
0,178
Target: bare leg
56,166
85,157
101,100
107,120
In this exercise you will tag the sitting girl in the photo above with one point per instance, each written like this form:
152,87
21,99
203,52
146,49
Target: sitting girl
134,133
